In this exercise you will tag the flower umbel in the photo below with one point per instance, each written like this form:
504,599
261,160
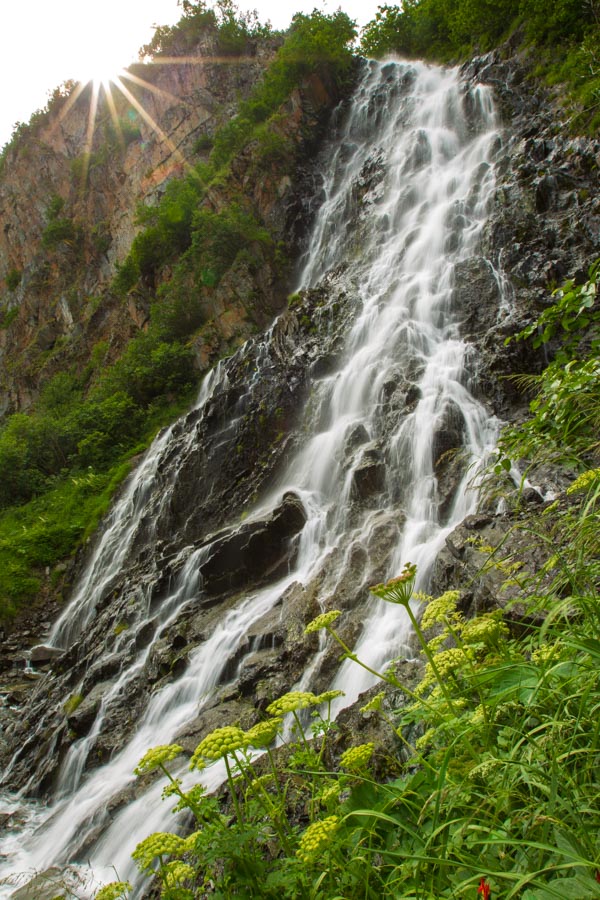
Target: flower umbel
374,704
159,844
264,733
291,702
156,757
328,696
356,759
584,481
440,609
323,621
398,590
315,839
217,744
113,891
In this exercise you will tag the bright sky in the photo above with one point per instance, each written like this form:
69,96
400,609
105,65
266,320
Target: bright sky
47,42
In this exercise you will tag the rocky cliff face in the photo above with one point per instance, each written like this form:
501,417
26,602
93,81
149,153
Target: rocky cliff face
98,165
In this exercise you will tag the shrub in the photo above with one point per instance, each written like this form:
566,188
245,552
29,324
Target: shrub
13,279
60,231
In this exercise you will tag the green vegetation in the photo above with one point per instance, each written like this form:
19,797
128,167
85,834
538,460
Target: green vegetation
59,230
74,701
183,228
234,30
61,464
565,37
492,788
38,534
565,421
13,279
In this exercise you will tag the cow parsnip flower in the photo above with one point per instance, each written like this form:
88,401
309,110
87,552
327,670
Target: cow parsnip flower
264,733
323,621
218,744
355,759
447,663
331,792
440,609
328,696
547,652
172,789
160,843
292,701
316,837
584,481
177,871
374,704
113,891
157,756
397,590
485,629
260,783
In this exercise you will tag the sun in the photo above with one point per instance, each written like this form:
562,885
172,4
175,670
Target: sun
99,62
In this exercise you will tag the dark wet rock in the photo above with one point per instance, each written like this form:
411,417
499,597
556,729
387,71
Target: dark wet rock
82,718
356,436
255,551
476,295
368,476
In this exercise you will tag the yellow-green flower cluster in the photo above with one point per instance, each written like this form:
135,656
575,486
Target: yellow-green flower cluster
441,610
584,481
548,652
315,839
190,841
328,696
190,798
292,701
113,891
477,717
173,788
425,740
176,871
486,629
374,704
447,662
330,793
356,759
323,621
157,756
218,744
161,843
397,590
264,733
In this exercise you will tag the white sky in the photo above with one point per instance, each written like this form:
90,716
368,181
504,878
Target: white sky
46,42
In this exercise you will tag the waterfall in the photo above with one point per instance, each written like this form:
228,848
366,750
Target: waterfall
407,181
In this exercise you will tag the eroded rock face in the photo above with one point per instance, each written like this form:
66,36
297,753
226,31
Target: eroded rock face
544,226
62,305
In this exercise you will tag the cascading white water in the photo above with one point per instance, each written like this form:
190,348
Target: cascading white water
398,242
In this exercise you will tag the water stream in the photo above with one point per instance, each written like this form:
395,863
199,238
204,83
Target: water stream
407,181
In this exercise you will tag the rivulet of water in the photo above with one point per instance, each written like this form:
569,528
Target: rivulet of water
407,180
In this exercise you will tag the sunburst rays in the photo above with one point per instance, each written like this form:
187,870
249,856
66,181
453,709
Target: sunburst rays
104,96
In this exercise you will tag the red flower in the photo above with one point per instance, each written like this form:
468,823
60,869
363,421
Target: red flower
485,890
598,875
